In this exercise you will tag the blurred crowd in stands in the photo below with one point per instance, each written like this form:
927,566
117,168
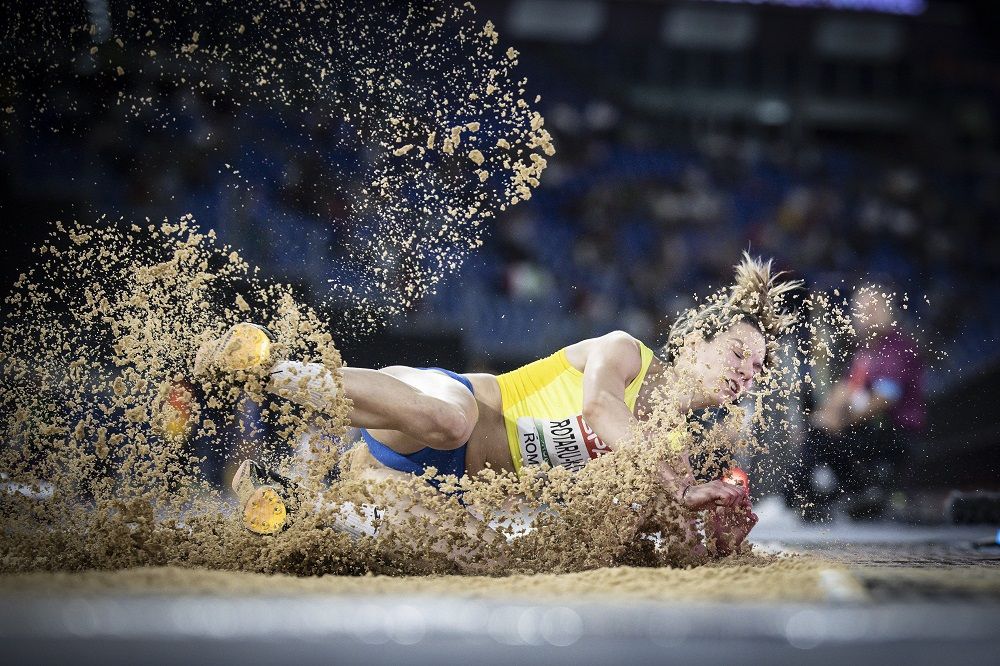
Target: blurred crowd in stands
625,230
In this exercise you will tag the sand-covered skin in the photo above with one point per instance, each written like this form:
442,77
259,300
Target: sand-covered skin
755,579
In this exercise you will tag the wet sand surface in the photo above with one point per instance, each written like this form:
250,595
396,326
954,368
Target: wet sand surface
792,563
796,578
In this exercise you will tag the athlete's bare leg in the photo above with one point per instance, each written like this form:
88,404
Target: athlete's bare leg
426,406
412,408
407,408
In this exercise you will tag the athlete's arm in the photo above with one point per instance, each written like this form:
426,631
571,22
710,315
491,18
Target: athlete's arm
728,527
677,478
613,361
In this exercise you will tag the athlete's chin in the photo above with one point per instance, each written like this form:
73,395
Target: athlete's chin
717,395
725,396
717,399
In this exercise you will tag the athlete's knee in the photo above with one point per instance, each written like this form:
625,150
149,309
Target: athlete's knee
448,426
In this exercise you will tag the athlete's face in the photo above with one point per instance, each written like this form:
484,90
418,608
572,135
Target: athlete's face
727,365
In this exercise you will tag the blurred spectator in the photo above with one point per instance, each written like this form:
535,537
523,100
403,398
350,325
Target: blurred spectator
861,429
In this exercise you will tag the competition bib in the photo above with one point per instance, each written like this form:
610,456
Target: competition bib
568,442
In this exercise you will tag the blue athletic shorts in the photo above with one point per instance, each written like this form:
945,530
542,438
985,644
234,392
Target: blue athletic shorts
446,462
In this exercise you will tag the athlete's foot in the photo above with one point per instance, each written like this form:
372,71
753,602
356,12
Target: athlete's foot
267,499
243,347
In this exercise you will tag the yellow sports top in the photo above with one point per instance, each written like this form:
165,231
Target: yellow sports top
543,412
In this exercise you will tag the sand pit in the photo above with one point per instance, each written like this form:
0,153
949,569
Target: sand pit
753,579
815,608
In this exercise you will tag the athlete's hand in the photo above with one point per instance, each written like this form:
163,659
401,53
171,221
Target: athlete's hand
713,494
730,526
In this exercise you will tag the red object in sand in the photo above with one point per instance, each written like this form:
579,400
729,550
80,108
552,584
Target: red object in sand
737,477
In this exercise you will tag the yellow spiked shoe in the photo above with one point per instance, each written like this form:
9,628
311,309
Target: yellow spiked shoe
266,498
243,347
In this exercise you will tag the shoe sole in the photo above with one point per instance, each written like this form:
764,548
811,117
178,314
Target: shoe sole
264,510
251,349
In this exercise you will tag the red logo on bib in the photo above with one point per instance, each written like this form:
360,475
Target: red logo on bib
595,445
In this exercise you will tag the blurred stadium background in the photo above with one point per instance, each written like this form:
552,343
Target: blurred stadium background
850,140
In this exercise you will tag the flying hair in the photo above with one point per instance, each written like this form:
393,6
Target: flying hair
757,296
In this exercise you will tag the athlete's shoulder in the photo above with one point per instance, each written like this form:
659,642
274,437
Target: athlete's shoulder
619,346
620,336
610,339
623,342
